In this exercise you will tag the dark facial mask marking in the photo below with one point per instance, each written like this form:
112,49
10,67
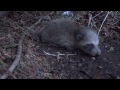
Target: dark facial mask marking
89,46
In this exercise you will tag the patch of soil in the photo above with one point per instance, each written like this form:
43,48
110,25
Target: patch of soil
82,66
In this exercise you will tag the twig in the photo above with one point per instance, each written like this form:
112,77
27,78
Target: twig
60,54
103,21
22,72
97,14
9,46
86,73
90,18
36,23
17,59
1,62
94,24
90,21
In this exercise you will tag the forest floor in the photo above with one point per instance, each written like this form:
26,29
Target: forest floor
35,64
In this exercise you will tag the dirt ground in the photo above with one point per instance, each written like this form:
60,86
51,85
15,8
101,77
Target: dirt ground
35,64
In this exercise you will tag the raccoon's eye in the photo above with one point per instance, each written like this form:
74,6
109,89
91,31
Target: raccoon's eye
79,37
89,46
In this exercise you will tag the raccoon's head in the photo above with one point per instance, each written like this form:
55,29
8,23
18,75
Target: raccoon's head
88,41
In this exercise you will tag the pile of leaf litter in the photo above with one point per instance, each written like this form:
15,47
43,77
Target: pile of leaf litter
22,57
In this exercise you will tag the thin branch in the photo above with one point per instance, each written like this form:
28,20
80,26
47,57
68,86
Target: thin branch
90,21
103,21
94,24
36,23
58,54
97,14
46,53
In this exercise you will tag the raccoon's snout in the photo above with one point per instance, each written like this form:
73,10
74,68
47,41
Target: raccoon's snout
98,53
95,52
91,50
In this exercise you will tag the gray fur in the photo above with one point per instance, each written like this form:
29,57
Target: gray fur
68,33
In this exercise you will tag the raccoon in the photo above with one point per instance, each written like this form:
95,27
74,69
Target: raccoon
70,35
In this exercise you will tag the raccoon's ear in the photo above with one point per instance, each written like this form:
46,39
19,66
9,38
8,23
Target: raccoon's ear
79,37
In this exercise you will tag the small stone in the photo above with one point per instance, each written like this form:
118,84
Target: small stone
106,46
118,77
100,67
80,64
93,58
111,49
81,78
104,58
118,64
82,59
67,14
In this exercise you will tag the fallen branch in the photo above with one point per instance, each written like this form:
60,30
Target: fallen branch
103,21
18,56
17,59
